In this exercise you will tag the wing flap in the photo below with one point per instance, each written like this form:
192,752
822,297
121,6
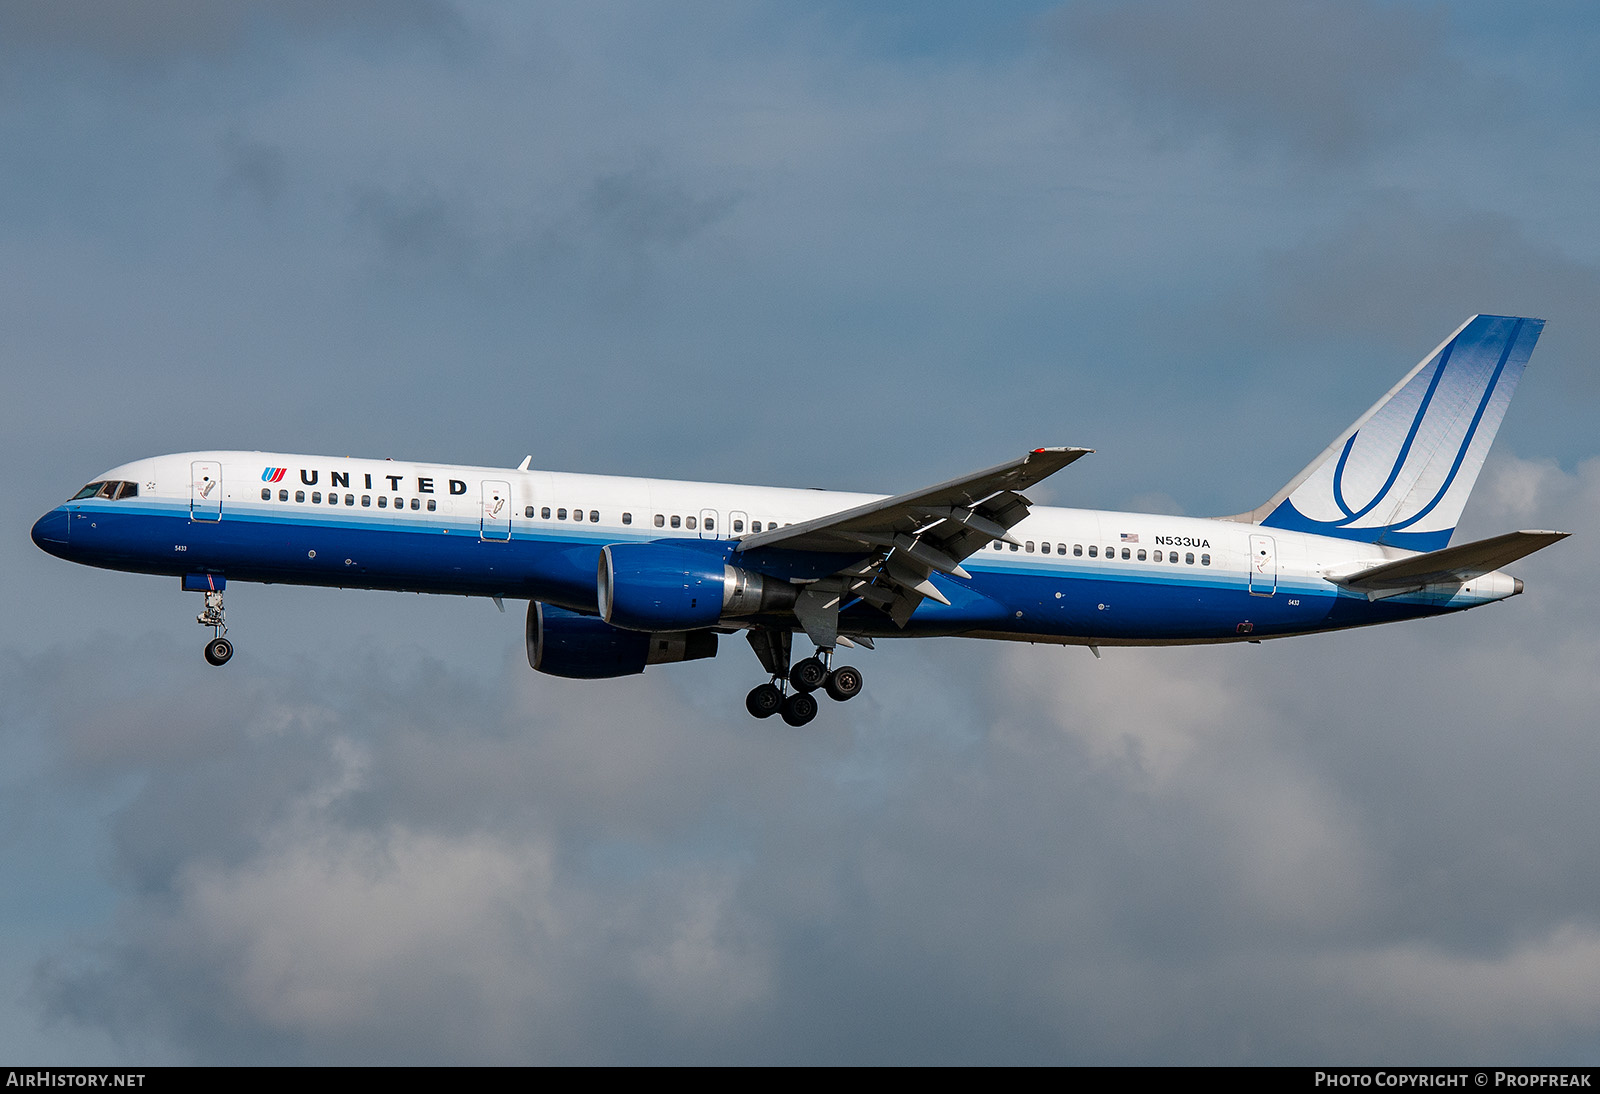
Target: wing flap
909,537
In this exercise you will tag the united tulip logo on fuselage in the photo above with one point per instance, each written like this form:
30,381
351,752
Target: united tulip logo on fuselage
342,478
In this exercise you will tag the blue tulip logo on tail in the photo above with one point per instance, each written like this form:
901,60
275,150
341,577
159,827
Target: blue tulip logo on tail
1402,473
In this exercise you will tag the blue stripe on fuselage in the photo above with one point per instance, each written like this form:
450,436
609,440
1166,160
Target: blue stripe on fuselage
1150,602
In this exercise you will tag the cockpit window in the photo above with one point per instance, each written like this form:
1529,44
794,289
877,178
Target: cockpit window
111,489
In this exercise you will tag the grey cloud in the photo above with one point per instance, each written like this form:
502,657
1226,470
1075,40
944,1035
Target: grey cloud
1390,263
623,224
254,168
643,206
161,31
1334,80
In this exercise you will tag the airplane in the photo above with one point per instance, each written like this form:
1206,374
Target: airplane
623,573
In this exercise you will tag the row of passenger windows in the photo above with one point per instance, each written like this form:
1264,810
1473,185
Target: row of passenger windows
662,520
1128,555
545,512
349,499
110,490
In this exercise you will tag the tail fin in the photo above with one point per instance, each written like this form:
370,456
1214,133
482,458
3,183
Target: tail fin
1401,474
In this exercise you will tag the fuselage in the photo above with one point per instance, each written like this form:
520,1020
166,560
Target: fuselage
1074,576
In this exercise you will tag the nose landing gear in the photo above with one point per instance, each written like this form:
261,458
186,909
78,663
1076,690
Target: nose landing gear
218,649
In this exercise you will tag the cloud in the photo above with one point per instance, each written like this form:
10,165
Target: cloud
1332,80
163,31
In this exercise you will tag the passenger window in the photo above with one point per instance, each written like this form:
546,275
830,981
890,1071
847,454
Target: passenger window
1189,558
755,526
349,499
1141,554
266,493
627,518
333,499
1172,556
998,546
316,497
676,523
1125,554
528,512
577,514
1077,550
738,526
711,524
432,504
283,495
1014,547
561,514
661,521
299,495
1029,546
689,523
594,516
1205,560
366,501
545,513
417,504
383,501
1094,552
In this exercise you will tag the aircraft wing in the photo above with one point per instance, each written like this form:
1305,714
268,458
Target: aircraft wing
1460,563
909,536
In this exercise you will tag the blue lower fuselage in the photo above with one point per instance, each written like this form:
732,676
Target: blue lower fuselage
1008,595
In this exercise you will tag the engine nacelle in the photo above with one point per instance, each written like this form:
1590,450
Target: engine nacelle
581,647
659,586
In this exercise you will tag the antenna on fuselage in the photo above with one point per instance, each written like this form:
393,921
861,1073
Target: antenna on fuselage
526,460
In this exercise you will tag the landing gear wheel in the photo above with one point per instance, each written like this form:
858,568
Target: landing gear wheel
809,674
799,708
764,700
218,650
844,683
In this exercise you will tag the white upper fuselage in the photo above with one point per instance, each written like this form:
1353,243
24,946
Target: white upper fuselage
1137,572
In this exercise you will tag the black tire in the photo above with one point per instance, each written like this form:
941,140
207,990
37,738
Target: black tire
764,701
218,650
844,683
799,708
809,674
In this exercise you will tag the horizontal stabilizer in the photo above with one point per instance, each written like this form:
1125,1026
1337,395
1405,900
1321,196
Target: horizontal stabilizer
1451,564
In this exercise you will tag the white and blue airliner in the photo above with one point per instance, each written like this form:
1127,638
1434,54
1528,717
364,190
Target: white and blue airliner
622,573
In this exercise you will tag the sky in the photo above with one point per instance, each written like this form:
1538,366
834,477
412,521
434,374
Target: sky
859,247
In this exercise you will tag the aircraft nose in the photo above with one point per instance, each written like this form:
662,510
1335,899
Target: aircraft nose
50,531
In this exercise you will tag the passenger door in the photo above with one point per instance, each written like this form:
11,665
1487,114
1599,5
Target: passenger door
1263,566
205,490
495,524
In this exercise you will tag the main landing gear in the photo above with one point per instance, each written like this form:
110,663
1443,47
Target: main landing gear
797,706
218,649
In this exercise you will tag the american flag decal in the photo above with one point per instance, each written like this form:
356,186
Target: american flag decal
1130,537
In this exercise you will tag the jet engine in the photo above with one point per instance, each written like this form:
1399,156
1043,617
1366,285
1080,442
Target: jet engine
581,647
659,586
